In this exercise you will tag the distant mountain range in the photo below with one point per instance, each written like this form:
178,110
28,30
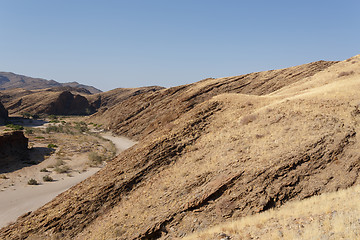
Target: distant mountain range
9,80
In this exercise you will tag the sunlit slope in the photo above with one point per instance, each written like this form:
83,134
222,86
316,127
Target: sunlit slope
227,156
141,114
328,216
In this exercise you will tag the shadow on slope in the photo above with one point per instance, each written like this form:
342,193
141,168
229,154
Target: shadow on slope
34,156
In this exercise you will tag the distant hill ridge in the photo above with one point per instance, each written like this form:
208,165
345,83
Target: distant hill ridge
9,80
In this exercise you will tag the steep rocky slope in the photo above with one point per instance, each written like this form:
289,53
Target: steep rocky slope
225,156
10,80
141,114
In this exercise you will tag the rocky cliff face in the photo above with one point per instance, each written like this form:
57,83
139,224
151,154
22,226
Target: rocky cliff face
69,104
55,101
3,114
13,147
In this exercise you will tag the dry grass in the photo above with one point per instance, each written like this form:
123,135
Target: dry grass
328,216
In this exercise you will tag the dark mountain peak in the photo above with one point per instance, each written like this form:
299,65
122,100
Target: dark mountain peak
10,80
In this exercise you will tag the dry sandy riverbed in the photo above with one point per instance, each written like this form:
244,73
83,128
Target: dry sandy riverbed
18,198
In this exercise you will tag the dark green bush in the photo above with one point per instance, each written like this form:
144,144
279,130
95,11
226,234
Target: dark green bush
47,178
15,127
32,182
51,145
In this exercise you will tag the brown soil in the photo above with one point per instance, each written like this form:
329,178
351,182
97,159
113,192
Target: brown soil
214,150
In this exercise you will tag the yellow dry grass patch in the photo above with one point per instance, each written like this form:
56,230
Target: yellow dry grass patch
328,216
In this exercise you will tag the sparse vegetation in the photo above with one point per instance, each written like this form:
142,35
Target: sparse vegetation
29,131
32,182
15,127
51,145
81,126
54,128
47,178
62,169
95,159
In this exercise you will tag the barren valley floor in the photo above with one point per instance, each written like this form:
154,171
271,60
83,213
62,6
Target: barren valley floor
66,168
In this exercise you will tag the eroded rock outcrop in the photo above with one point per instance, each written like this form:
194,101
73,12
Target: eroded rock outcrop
13,148
3,114
69,104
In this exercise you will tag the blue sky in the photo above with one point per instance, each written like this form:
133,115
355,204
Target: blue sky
110,44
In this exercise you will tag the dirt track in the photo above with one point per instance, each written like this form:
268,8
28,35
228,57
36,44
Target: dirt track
20,199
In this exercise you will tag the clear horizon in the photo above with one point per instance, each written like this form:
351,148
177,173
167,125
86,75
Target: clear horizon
112,44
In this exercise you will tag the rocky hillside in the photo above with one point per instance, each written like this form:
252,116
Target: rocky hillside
57,101
105,100
10,80
13,147
223,149
66,100
143,113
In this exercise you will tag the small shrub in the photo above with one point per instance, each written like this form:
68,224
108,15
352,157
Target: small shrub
51,145
3,177
54,128
29,131
59,162
44,170
62,169
15,127
95,159
54,121
39,137
47,178
81,126
52,117
32,182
